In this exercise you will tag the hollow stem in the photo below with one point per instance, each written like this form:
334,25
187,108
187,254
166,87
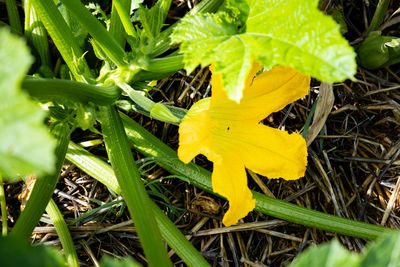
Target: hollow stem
107,42
43,188
63,233
103,172
13,16
379,15
133,190
62,36
50,89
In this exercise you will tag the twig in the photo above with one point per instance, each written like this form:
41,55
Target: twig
391,202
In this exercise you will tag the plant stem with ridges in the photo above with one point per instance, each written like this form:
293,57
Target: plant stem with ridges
63,233
103,172
62,36
13,16
107,42
44,187
132,187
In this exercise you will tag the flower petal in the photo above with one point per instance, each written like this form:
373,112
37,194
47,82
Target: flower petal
195,135
269,92
229,179
272,152
218,93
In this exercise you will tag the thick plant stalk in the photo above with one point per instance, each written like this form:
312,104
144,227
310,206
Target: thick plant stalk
133,190
63,233
62,36
379,15
159,68
123,11
44,187
36,34
4,216
150,146
51,89
116,28
107,42
13,15
103,172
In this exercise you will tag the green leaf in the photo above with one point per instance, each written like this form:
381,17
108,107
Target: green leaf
276,32
15,252
25,144
107,261
383,252
331,254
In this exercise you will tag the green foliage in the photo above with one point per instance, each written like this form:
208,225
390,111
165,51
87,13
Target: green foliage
384,252
107,261
331,254
25,144
16,252
292,33
379,51
152,19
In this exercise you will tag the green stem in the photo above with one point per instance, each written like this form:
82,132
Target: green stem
123,11
103,172
159,68
44,187
166,64
50,89
150,146
133,190
379,16
155,110
63,232
107,42
93,166
3,208
13,16
116,28
36,34
62,36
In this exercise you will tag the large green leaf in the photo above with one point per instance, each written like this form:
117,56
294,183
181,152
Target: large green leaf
275,32
331,254
384,252
16,251
25,144
107,261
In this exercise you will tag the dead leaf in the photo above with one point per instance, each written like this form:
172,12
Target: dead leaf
324,107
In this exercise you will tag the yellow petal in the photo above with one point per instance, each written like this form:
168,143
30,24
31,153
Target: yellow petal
272,152
195,135
269,92
218,93
272,90
229,179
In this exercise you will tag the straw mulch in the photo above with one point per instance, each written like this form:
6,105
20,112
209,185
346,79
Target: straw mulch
353,172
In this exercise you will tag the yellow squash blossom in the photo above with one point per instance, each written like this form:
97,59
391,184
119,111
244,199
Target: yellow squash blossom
229,134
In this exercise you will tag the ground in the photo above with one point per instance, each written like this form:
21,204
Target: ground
353,171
